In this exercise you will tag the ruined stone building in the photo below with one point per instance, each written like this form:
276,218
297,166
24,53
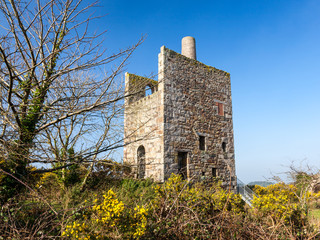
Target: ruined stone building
181,123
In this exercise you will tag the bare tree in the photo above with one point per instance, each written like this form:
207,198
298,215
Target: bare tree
55,92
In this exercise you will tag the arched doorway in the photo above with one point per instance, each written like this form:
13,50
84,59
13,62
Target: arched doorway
141,162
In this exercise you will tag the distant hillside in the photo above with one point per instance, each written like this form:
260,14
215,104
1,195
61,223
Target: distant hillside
261,183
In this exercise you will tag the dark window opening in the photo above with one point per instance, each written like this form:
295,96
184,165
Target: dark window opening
214,172
148,90
141,162
224,146
182,164
202,143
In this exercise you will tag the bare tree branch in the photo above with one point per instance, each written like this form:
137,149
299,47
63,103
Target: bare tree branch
59,90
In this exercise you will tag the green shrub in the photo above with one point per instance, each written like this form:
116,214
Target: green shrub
181,210
108,218
280,204
142,209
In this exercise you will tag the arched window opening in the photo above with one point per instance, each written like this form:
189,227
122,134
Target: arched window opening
224,146
141,162
148,90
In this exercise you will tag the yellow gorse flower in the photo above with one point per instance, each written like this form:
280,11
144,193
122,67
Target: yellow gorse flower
105,215
109,210
277,200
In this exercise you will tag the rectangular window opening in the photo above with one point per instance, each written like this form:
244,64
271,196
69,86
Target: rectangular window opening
182,164
214,172
202,143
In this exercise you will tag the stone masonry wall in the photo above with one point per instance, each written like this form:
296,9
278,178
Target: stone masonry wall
143,125
192,94
189,100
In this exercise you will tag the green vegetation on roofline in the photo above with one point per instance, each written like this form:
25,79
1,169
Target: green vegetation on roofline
196,62
136,79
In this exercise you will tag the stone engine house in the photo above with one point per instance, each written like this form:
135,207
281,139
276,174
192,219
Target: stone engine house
181,123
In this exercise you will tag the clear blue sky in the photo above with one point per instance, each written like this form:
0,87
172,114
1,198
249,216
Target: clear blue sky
271,49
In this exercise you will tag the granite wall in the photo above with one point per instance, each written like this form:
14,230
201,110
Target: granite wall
190,101
143,125
197,102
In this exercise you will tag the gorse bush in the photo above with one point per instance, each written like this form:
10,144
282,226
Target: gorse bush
185,210
136,192
108,218
9,185
278,201
143,209
49,181
281,204
177,210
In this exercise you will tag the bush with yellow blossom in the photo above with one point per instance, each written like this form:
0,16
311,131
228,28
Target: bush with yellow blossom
280,204
181,209
108,218
178,209
278,200
186,210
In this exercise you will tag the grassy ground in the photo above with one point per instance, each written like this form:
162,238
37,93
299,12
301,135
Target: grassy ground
315,217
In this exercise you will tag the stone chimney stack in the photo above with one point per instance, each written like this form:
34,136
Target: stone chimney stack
188,47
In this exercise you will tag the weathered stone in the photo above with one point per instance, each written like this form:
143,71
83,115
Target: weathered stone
183,107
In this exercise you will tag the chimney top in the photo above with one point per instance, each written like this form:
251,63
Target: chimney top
188,47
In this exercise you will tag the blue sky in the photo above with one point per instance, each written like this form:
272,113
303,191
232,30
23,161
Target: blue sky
271,49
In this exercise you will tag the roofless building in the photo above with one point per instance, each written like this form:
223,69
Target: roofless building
181,123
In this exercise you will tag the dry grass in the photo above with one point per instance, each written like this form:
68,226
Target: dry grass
315,217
